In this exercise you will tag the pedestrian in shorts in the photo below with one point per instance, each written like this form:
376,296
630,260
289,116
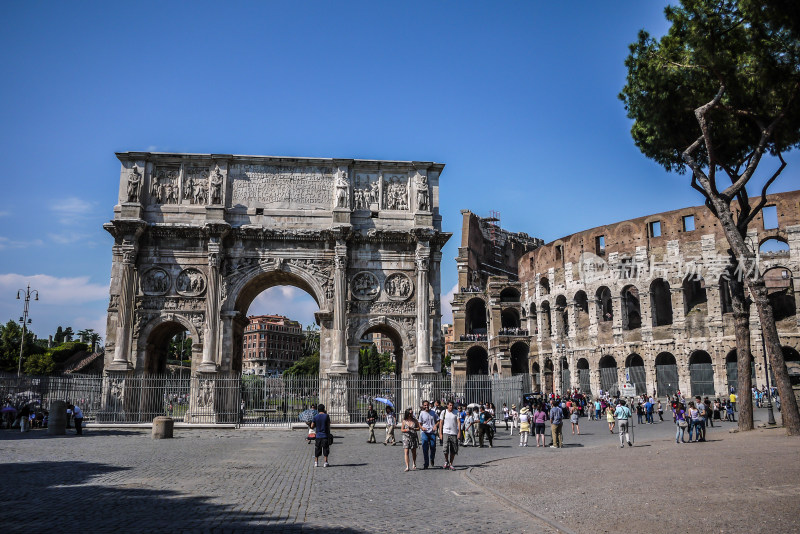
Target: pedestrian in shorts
449,429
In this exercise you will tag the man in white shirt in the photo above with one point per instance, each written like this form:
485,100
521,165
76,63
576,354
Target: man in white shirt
78,416
449,429
428,421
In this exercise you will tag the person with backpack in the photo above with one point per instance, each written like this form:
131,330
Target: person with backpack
700,426
525,420
623,415
556,424
322,425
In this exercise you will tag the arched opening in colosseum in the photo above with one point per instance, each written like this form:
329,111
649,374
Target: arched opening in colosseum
544,286
780,289
562,327
536,377
167,342
495,372
725,300
584,376
509,318
581,302
548,376
566,383
519,358
636,375
694,294
608,374
605,308
476,316
792,359
773,246
532,319
509,294
477,361
666,374
732,370
701,373
546,324
631,310
660,302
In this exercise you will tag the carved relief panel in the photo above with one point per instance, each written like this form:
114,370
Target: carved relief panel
155,281
398,286
164,186
365,286
395,191
195,185
191,282
366,191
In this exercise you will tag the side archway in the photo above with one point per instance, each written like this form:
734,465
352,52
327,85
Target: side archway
701,373
666,374
153,342
608,374
519,358
477,361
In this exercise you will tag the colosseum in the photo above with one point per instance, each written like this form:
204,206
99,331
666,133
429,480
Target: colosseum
642,301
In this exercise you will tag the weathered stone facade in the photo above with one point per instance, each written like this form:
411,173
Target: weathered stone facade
641,301
199,236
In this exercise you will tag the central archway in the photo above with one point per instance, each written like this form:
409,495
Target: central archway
477,361
519,358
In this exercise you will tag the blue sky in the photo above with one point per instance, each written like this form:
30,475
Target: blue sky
519,99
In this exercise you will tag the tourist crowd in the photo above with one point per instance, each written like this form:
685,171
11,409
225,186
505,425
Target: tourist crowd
513,332
473,337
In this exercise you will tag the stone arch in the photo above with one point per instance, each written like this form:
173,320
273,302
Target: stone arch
548,375
605,308
475,320
732,370
660,302
701,373
780,290
694,292
477,360
792,358
547,325
584,376
509,294
666,374
634,364
519,358
631,309
402,339
608,374
773,245
544,285
509,318
153,337
563,314
246,288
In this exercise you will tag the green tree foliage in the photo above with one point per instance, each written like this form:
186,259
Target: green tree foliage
58,339
39,364
68,334
10,335
712,97
373,363
65,351
308,365
180,348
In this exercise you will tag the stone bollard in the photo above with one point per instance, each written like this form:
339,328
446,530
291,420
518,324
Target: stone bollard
57,419
162,427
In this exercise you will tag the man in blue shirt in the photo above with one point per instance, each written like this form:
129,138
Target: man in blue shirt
623,415
556,423
648,412
428,421
322,425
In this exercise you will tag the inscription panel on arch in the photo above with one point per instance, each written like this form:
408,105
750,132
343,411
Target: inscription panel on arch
282,187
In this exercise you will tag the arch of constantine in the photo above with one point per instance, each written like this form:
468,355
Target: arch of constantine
198,236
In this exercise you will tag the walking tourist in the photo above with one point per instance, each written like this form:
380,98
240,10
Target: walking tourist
574,418
732,399
623,415
660,410
556,424
597,409
680,422
372,418
694,421
428,423
648,411
525,420
506,416
449,429
470,422
485,426
539,418
77,414
409,429
390,423
610,418
513,416
322,443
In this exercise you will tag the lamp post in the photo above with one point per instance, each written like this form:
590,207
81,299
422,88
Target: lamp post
25,320
770,413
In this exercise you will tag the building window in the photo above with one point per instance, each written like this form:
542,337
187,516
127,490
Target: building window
770,216
559,252
654,228
688,223
600,245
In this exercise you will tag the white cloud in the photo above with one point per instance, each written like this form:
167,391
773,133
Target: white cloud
72,210
6,243
5,213
290,301
447,309
68,238
55,290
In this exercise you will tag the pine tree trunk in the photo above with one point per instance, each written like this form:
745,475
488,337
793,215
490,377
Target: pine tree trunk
744,394
789,412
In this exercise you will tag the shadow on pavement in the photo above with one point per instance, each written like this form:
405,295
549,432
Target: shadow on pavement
59,497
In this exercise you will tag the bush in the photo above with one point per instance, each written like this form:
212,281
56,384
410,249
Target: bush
39,364
65,351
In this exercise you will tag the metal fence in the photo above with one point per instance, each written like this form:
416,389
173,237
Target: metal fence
252,400
638,378
701,376
666,380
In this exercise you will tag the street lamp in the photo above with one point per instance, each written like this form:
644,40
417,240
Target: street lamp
25,320
770,413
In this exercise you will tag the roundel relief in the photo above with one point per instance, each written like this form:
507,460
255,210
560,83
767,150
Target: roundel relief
190,282
365,286
155,282
398,286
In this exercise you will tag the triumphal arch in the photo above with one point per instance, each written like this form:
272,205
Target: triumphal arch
198,236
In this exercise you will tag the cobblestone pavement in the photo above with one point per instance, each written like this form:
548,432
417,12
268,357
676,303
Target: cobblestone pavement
264,481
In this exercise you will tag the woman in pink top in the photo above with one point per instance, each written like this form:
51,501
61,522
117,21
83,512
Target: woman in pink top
539,417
